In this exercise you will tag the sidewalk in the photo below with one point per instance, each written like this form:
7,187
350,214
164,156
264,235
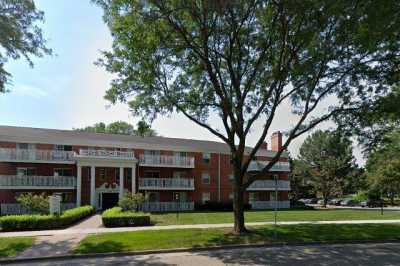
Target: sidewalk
84,231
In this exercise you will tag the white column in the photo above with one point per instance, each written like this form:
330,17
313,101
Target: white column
133,169
121,182
78,185
93,186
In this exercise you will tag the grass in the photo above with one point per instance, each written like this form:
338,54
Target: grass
186,238
12,246
265,216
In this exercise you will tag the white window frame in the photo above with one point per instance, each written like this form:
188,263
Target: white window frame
204,177
25,169
62,169
206,157
205,196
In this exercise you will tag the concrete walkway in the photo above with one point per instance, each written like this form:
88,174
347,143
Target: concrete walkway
60,244
84,231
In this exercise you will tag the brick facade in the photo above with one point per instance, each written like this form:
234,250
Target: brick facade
218,168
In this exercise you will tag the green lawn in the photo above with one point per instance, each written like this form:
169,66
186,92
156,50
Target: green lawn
12,246
265,216
152,240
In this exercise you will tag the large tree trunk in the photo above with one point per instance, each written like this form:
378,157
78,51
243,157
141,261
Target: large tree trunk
238,211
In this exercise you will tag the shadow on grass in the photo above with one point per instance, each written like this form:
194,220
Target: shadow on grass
100,247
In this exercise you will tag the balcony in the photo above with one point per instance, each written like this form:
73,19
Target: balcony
166,161
16,208
35,155
169,206
166,183
37,182
256,166
270,204
269,185
106,154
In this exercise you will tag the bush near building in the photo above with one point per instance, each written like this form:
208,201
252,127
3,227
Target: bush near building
44,222
116,217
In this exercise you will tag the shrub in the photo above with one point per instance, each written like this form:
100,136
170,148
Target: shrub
360,196
116,217
35,203
217,206
131,201
44,222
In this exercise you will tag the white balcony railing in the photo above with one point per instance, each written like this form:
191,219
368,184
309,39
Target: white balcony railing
36,182
169,206
166,183
166,161
106,154
16,208
282,204
35,155
277,167
269,185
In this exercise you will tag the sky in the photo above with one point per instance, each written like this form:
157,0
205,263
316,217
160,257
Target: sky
66,90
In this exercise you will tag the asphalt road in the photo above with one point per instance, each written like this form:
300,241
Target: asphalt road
337,254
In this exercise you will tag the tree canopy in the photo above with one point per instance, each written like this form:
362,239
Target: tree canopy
373,122
242,60
383,166
20,35
328,160
120,127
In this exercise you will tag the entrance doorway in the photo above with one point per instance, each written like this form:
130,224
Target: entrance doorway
109,200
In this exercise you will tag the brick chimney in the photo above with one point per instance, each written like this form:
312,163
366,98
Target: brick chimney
264,146
276,141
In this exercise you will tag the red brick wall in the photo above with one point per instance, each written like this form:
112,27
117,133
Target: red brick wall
165,172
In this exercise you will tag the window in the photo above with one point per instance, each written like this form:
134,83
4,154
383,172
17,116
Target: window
25,146
62,147
23,171
180,196
102,174
231,178
180,154
179,174
205,178
206,158
205,196
253,196
63,172
116,172
152,174
231,196
153,196
68,197
152,152
272,196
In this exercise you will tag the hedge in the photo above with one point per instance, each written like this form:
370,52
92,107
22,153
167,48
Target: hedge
44,222
115,217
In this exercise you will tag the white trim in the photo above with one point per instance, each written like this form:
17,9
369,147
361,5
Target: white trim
36,187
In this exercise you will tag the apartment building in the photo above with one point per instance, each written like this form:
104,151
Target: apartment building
97,169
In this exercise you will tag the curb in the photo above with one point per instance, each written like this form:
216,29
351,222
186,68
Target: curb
195,249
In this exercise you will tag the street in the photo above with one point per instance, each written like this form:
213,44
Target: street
335,254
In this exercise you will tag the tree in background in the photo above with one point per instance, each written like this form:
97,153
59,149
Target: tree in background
383,167
19,34
120,127
327,158
242,60
300,181
144,129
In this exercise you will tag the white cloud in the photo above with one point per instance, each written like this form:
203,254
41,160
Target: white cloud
29,91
